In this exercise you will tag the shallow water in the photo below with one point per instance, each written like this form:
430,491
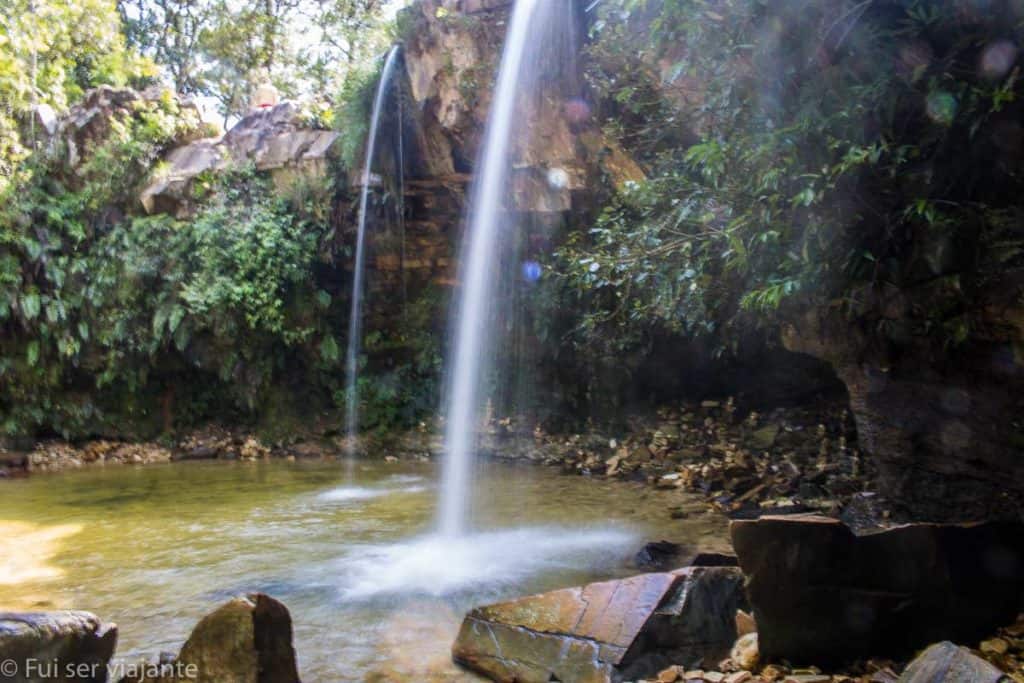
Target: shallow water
373,594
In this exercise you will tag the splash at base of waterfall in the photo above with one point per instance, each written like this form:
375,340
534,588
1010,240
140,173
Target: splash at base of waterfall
439,565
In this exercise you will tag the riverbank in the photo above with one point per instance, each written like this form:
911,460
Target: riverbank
742,462
712,449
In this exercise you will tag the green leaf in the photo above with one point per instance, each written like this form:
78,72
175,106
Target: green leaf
329,349
30,305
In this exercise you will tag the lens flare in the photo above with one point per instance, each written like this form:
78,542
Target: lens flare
941,107
997,59
531,271
577,111
558,178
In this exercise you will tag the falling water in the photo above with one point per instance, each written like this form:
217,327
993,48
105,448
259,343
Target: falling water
531,29
355,322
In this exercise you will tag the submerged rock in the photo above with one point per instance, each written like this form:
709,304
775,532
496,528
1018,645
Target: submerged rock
821,593
659,555
946,663
55,646
606,631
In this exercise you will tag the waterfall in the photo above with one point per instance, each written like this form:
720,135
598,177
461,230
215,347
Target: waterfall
355,322
534,27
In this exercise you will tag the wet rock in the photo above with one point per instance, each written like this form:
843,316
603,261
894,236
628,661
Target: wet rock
714,560
449,45
764,438
821,593
246,640
739,677
936,430
994,646
745,654
252,449
745,624
197,452
42,645
13,461
605,631
946,663
659,556
53,456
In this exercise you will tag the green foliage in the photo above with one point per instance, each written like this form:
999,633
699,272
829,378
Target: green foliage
127,324
222,49
111,318
354,108
399,378
840,155
50,53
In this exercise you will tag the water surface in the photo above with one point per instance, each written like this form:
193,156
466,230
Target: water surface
373,593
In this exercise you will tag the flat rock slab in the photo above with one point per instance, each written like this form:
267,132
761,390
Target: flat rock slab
822,594
55,646
946,663
604,631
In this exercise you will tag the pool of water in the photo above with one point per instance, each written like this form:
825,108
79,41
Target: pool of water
373,593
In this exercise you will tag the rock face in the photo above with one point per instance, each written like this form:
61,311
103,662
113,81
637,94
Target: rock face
604,631
820,593
451,56
246,640
937,425
90,121
43,645
275,139
946,663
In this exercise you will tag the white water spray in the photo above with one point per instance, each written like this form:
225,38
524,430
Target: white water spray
528,33
355,322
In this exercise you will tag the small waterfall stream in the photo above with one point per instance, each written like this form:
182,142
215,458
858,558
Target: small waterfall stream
535,25
355,323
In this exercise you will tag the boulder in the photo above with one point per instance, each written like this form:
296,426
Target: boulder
946,663
659,555
55,646
606,631
276,139
245,640
91,121
822,593
934,422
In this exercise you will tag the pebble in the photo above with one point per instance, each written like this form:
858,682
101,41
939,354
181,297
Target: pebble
669,675
996,646
739,677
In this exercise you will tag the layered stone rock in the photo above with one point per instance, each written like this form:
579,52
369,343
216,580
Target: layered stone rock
451,58
605,631
91,121
822,594
946,663
55,646
276,140
937,425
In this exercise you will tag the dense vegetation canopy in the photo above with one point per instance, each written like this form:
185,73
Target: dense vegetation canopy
851,158
861,158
